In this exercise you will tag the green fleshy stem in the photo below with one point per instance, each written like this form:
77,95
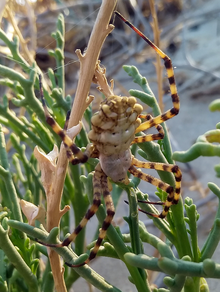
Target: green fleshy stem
207,269
106,250
57,94
178,234
192,222
31,174
47,278
202,147
85,271
176,283
5,174
9,115
17,261
59,36
28,87
214,236
80,204
133,223
14,48
215,105
156,242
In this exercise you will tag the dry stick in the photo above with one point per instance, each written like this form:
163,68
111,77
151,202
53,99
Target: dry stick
2,7
159,67
87,66
159,70
33,27
17,31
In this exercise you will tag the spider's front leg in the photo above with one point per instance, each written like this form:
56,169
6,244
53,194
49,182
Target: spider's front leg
148,137
170,74
74,154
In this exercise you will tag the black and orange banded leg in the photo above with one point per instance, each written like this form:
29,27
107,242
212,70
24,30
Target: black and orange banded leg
149,137
170,74
110,214
97,192
108,220
75,154
173,193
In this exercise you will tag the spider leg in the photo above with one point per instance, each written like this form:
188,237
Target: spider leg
69,153
67,120
110,214
97,189
77,155
173,196
149,137
158,183
146,202
170,74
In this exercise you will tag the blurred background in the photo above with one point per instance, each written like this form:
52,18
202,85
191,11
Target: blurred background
188,31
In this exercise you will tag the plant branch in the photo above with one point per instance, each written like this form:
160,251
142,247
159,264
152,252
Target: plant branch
67,254
15,258
87,66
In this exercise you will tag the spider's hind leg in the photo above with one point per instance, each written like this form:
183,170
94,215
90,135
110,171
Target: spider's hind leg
100,185
173,193
102,178
97,190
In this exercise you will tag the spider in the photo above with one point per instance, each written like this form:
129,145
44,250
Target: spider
113,131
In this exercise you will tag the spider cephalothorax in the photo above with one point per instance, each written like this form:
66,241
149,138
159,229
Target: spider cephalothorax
113,132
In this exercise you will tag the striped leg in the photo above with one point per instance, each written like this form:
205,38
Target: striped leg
97,190
75,155
72,159
69,153
170,73
149,137
173,195
110,214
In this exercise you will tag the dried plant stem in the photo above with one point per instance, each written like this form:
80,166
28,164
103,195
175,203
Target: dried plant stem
18,33
87,66
158,65
2,7
33,28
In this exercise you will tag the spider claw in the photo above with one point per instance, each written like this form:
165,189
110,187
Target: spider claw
75,266
83,260
150,214
152,203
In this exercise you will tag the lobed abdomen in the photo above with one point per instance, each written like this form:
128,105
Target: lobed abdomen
114,125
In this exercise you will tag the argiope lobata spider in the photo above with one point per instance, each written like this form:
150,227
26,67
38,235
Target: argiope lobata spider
113,131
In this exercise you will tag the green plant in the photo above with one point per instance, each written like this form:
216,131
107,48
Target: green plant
19,257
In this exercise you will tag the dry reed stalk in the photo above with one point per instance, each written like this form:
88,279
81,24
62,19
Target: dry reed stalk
23,43
88,62
158,65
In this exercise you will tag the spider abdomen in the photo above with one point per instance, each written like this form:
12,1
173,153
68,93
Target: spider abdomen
116,165
114,125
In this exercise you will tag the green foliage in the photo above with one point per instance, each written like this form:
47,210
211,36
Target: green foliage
19,254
